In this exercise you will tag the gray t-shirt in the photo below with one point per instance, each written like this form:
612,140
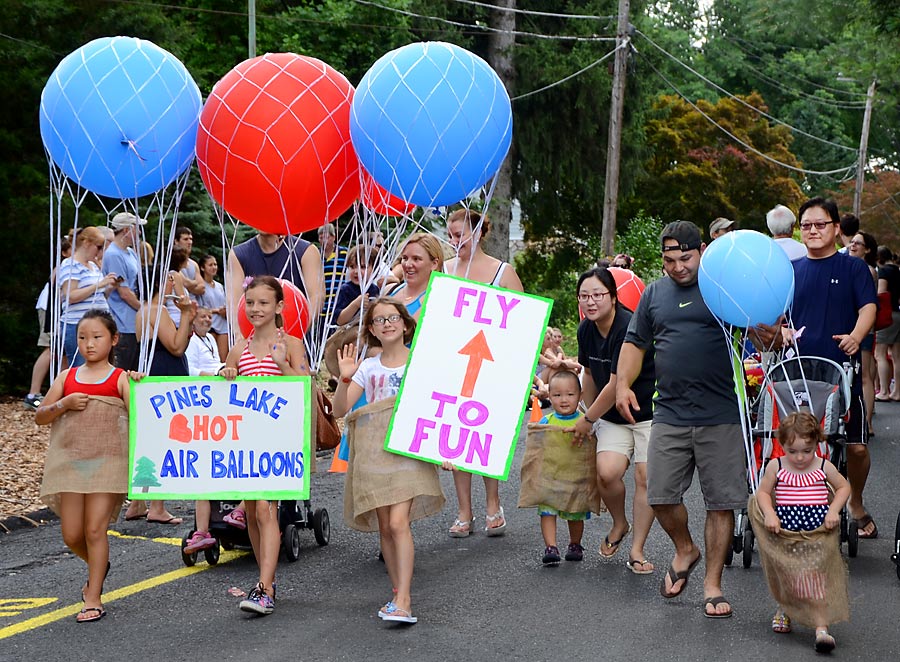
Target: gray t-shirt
694,370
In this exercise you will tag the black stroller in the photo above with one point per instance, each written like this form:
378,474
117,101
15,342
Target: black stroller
801,383
292,516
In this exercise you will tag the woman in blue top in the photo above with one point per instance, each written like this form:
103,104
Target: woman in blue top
421,254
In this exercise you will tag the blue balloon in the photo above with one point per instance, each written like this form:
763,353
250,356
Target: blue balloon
119,116
431,122
746,279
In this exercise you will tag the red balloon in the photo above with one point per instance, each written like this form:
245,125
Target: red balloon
273,145
377,200
295,312
628,286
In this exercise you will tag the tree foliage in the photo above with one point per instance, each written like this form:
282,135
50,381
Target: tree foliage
696,172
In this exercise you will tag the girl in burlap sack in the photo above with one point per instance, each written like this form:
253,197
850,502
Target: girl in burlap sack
86,472
269,351
558,476
793,496
384,490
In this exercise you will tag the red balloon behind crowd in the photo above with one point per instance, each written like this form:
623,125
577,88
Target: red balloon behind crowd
295,313
629,287
377,200
273,146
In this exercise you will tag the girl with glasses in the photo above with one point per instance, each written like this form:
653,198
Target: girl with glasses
384,491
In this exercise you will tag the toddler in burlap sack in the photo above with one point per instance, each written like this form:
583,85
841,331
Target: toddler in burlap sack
558,475
799,535
86,472
384,491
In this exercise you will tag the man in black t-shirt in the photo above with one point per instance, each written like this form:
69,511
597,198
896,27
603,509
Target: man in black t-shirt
696,420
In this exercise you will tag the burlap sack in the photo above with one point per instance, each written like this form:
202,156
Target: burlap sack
805,571
557,473
376,478
88,453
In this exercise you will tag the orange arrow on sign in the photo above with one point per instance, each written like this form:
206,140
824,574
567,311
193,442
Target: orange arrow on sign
478,351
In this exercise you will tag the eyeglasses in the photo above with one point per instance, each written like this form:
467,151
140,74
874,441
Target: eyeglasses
820,225
857,243
381,321
377,245
596,296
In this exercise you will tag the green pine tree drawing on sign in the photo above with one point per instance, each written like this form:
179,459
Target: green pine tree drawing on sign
145,474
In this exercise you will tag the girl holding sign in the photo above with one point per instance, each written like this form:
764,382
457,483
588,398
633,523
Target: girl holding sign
466,229
268,352
86,473
396,489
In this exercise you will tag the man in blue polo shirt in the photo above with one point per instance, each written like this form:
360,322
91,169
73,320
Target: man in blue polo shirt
834,310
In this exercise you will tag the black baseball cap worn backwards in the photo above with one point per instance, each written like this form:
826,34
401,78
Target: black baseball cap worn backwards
684,232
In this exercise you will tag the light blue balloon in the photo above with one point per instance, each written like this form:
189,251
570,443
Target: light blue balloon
431,122
746,278
119,116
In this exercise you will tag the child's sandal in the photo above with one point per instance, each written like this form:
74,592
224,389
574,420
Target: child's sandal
781,623
461,528
490,519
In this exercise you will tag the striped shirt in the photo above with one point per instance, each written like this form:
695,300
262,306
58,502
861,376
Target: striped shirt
80,275
809,489
249,365
333,271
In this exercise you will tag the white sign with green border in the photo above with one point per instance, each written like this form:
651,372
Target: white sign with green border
208,438
469,375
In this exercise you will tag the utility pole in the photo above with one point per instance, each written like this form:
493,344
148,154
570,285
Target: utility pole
500,56
251,28
863,146
613,149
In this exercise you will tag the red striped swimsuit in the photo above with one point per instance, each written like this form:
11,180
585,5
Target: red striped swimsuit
249,365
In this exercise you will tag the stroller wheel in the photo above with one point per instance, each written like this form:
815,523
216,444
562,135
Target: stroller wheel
290,540
212,554
190,560
895,557
737,544
852,540
748,548
321,526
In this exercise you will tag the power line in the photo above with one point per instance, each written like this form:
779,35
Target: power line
846,170
530,12
284,18
740,43
485,28
741,101
570,76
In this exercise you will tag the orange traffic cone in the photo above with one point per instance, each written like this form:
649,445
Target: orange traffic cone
536,413
338,466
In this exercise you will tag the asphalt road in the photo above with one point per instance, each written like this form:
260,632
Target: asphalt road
477,599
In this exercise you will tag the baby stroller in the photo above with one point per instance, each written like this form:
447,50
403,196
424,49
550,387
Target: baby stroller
801,383
292,516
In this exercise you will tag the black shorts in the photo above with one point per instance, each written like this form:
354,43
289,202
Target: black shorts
127,352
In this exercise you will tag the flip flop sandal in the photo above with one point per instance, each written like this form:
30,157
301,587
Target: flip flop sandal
98,613
236,518
824,642
676,576
462,528
631,563
490,519
394,613
716,601
862,523
614,546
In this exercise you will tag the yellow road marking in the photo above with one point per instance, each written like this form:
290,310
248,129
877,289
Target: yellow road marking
165,541
112,596
15,606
